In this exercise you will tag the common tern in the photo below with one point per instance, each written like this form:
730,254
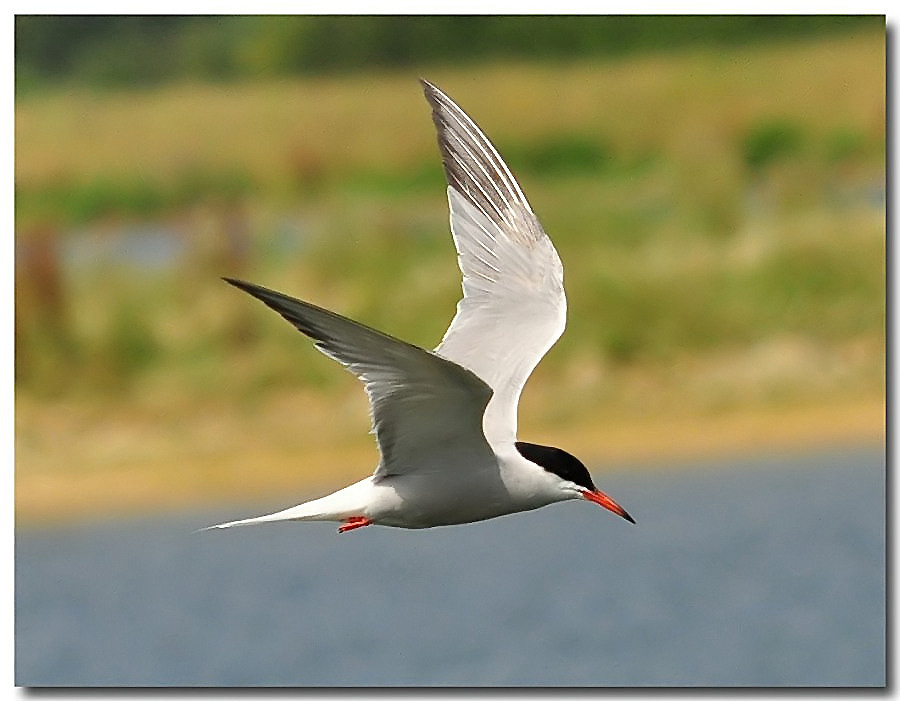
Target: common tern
445,420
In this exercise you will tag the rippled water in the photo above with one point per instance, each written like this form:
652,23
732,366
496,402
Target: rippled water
764,572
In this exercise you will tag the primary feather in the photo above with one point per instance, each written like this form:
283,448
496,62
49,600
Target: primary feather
419,401
513,307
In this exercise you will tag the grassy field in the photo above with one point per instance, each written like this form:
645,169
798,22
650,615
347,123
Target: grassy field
720,215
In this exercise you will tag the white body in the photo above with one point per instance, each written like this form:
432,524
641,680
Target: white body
502,485
445,420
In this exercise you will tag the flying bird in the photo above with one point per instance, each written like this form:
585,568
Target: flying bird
445,420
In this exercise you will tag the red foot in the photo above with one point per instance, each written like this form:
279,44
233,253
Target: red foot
354,522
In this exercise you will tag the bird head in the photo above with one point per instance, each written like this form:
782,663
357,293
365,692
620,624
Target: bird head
574,479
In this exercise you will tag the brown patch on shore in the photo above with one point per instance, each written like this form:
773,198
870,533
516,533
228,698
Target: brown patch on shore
98,468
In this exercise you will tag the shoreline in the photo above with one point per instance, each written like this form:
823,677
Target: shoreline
139,487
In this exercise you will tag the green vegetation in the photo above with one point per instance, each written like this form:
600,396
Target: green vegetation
720,215
669,251
116,51
771,141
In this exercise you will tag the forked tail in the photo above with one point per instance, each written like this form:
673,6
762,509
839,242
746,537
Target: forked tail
301,512
347,503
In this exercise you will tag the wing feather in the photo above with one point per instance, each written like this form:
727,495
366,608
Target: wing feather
420,403
514,306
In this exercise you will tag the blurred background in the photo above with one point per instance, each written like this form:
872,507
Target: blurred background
715,187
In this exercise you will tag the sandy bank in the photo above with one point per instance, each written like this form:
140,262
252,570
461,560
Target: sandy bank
130,468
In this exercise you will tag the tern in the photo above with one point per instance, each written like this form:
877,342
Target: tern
445,420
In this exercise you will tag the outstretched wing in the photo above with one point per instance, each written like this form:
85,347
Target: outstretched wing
513,307
420,403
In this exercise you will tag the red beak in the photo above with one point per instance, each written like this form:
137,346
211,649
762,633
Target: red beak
607,503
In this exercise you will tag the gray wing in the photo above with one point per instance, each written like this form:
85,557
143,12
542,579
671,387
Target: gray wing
420,403
513,307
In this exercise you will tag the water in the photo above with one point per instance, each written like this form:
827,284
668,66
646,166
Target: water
158,245
149,246
765,572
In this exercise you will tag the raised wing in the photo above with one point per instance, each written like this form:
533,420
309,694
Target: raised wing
514,306
420,403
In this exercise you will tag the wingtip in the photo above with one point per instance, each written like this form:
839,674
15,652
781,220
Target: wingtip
436,97
240,284
431,92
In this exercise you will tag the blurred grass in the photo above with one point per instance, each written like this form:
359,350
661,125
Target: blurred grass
720,215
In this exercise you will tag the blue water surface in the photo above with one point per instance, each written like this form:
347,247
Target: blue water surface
762,571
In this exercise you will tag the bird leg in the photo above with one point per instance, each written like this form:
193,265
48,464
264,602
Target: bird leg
354,522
